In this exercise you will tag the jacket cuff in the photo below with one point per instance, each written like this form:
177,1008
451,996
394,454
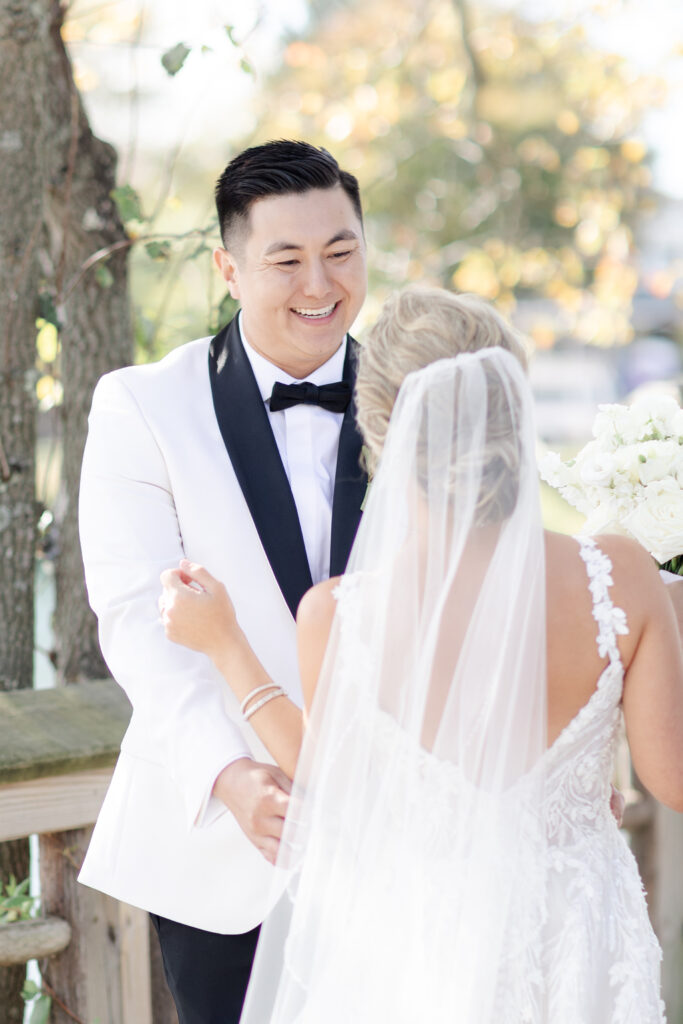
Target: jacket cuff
211,808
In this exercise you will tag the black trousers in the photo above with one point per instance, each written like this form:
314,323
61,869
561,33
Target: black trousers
207,973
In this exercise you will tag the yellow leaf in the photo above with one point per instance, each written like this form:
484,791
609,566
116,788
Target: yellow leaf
47,341
633,150
477,273
568,122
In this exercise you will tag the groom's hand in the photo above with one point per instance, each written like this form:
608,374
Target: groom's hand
257,794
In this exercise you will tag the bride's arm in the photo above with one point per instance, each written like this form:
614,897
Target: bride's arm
313,625
197,612
653,687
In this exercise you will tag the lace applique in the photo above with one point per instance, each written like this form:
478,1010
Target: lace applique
611,620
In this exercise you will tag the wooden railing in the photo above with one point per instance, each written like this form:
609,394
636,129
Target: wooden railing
57,751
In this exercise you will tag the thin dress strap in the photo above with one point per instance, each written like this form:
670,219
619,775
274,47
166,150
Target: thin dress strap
610,619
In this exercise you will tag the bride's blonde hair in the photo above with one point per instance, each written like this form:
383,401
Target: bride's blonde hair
417,326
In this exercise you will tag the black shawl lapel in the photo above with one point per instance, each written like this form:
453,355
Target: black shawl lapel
350,480
248,438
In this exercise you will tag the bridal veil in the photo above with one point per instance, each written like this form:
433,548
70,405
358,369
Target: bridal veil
414,848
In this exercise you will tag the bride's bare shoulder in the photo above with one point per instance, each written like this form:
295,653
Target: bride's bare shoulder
318,604
630,561
636,586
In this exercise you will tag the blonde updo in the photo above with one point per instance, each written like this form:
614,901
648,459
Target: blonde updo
417,326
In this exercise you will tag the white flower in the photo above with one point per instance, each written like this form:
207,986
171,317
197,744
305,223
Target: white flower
657,459
629,478
612,425
596,468
604,518
677,426
657,521
553,470
656,415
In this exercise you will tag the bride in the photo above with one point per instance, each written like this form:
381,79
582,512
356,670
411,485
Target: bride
449,850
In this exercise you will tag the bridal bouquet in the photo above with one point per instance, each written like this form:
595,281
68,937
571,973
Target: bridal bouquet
629,478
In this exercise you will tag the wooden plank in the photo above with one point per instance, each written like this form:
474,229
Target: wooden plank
103,975
52,804
669,907
28,940
136,975
52,732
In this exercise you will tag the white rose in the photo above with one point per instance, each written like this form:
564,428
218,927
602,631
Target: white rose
657,521
597,469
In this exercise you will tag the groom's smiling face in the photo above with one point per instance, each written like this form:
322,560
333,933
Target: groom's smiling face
299,271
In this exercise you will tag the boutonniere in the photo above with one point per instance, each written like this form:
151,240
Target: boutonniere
365,462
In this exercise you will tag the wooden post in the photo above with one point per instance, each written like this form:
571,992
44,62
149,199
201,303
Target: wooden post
668,907
103,974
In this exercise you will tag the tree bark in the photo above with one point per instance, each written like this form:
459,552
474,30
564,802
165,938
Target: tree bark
23,84
95,335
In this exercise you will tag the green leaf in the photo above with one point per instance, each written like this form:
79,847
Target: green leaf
224,312
158,250
174,58
104,276
40,1011
16,901
247,67
48,311
199,250
230,29
30,990
127,203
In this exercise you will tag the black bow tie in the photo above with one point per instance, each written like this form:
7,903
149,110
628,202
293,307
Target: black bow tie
333,397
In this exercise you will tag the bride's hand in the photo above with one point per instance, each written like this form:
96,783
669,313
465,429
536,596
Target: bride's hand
196,610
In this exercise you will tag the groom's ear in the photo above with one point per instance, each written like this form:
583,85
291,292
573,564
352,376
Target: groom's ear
227,268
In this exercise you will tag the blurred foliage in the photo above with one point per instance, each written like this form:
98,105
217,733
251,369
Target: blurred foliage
495,154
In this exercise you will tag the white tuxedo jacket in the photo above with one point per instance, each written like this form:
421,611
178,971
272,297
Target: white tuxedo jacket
181,461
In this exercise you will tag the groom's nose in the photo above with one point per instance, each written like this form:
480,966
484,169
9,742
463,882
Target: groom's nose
316,283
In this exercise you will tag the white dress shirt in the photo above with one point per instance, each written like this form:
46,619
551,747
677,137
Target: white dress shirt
307,438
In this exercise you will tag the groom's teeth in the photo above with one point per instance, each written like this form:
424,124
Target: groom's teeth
315,313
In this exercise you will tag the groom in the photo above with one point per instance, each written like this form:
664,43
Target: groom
241,453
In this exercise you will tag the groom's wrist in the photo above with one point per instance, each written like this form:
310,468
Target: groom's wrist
223,786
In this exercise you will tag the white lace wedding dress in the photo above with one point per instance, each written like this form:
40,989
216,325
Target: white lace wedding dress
589,957
601,959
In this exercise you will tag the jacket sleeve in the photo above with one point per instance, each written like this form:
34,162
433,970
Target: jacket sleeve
129,535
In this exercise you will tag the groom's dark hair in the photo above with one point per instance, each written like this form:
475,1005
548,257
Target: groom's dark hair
276,168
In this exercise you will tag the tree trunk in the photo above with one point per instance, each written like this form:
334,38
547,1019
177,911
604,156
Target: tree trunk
23,84
95,335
